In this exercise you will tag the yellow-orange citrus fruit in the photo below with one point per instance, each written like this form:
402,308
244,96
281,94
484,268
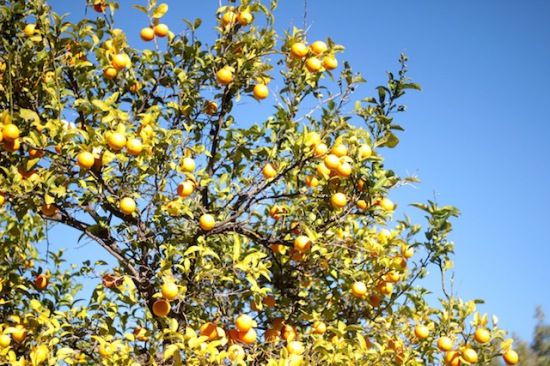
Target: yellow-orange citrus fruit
120,61
211,108
244,323
41,282
445,344
127,205
12,146
302,243
312,181
33,153
248,337
277,248
10,132
185,189
5,340
2,198
169,290
109,73
147,34
289,333
106,350
393,276
207,222
313,64
236,352
320,150
224,76
359,289
365,151
452,358
161,30
338,200
318,47
85,160
344,170
339,150
244,18
260,91
188,165
49,209
421,331
275,212
29,29
295,348
19,333
386,204
470,355
385,287
229,18
269,171
134,146
330,63
209,330
362,204
140,333
482,335
510,357
407,252
117,141
332,161
319,327
161,308
298,50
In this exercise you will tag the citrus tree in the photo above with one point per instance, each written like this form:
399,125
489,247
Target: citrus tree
233,239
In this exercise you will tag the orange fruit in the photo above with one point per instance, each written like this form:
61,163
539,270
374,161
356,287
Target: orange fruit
134,147
318,47
260,91
319,327
161,30
33,153
109,73
385,287
120,61
323,170
244,18
236,352
289,333
85,159
188,165
49,209
482,335
344,170
19,333
444,344
248,337
302,243
510,357
362,204
2,198
117,141
224,76
169,290
29,29
407,252
211,108
295,348
269,171
298,50
399,263
313,64
41,282
269,301
320,150
106,350
330,63
338,200
209,330
339,150
185,189
386,204
359,289
207,222
12,146
277,248
470,355
393,276
375,300
312,181
140,334
5,340
229,18
161,308
452,358
127,205
244,322
421,331
147,34
10,132
332,161
275,212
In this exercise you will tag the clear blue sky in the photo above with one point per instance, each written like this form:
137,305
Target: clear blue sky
476,136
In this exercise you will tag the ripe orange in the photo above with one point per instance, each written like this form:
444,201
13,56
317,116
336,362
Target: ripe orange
120,61
229,18
12,146
298,50
161,308
134,147
185,189
330,63
33,153
295,348
5,340
109,73
147,34
169,290
2,198
421,331
207,222
359,289
244,18
510,357
29,29
248,337
320,150
117,141
41,282
344,170
332,161
209,330
469,355
452,358
444,344
269,171
365,151
211,108
236,352
375,300
313,64
399,263
269,301
106,350
385,287
10,132
161,30
362,204
393,276
482,335
339,150
276,212
244,323
224,76
302,243
338,200
85,159
386,204
319,327
49,209
141,334
127,205
277,248
19,333
407,252
318,47
312,181
289,333
260,91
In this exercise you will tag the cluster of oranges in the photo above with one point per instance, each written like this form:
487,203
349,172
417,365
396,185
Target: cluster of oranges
315,56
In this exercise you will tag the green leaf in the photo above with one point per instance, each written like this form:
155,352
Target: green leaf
140,8
160,10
